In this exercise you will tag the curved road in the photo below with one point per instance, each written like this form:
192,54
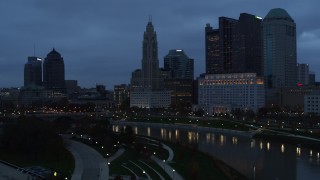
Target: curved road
89,164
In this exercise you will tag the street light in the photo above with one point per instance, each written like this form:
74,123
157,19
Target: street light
173,173
164,162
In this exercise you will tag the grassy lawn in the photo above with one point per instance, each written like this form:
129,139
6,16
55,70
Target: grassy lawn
192,164
214,123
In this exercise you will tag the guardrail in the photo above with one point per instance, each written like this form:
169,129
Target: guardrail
22,170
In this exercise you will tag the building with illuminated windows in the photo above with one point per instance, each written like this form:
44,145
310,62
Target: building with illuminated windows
235,47
226,92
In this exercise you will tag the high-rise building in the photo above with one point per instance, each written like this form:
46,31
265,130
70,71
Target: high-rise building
145,91
150,61
53,71
312,78
279,49
212,44
179,64
247,45
121,93
235,47
180,82
303,74
33,71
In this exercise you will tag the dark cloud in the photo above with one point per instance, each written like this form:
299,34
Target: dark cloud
101,41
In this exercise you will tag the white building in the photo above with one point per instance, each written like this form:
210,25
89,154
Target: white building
150,99
224,92
312,103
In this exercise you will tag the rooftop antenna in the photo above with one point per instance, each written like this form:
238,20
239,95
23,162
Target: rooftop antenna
34,49
150,18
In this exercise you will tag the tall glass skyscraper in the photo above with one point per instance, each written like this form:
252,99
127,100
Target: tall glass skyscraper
179,64
33,71
279,49
53,71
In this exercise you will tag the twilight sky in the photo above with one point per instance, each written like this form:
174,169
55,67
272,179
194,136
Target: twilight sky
101,40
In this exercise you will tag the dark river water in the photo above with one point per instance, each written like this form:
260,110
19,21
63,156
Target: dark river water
255,158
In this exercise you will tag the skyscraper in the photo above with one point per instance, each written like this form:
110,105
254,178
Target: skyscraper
145,83
150,61
180,65
247,45
33,71
235,47
53,71
180,82
280,49
303,74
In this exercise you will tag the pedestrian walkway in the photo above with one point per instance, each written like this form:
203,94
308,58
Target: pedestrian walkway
164,163
89,164
167,168
116,155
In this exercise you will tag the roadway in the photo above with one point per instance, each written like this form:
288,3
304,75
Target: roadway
89,164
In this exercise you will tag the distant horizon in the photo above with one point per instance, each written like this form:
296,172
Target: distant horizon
101,42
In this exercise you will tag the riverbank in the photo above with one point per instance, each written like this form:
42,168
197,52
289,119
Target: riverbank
292,139
188,127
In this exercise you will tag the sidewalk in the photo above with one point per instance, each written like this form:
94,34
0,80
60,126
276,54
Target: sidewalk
167,168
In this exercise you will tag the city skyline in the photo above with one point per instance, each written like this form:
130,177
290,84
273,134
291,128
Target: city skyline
101,41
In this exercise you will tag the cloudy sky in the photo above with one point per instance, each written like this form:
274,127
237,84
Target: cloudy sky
101,40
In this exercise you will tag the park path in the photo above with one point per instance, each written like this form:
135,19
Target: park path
89,164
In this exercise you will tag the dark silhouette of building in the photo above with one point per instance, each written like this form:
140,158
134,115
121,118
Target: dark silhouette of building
179,64
247,56
235,47
53,71
181,69
33,71
280,49
279,54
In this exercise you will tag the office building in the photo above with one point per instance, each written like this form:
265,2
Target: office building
179,64
121,93
302,74
33,71
279,49
146,91
53,71
180,81
226,92
235,47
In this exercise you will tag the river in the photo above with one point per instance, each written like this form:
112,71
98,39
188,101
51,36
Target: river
255,158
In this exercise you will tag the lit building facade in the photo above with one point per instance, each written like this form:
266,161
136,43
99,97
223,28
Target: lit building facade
225,92
33,71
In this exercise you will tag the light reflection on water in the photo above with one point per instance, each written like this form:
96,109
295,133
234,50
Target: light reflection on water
271,159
